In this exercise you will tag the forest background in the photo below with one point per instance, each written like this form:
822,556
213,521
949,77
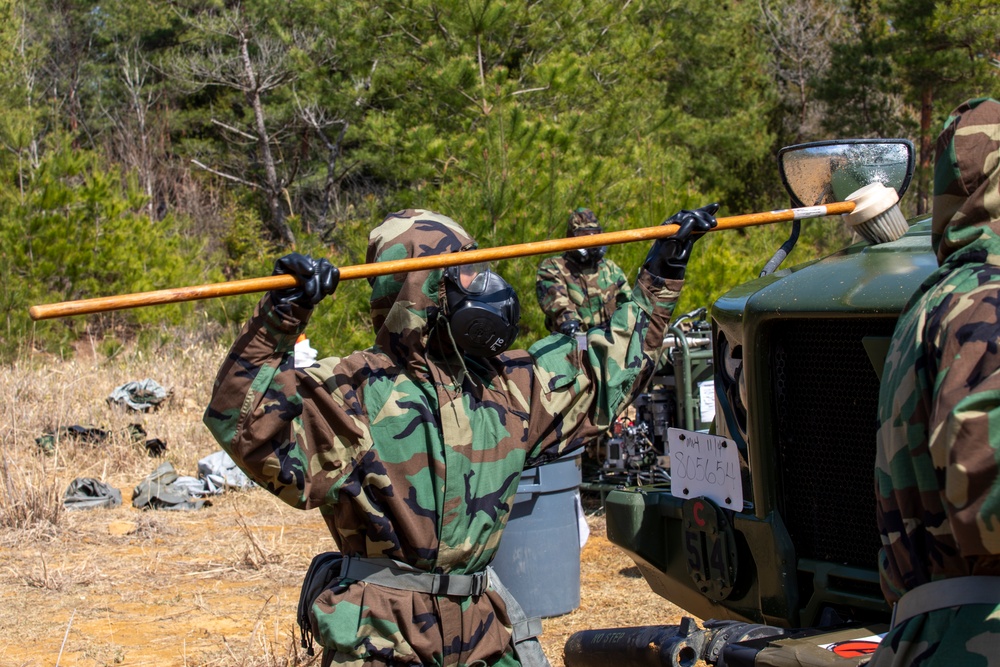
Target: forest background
150,144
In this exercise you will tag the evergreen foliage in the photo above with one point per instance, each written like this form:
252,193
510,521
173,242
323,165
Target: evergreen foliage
150,145
79,230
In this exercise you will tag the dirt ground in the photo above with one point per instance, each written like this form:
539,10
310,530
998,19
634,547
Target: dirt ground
218,586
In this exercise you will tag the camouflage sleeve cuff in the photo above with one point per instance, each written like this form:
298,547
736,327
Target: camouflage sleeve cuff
282,323
651,290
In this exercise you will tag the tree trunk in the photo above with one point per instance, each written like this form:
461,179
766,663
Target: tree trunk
329,186
926,150
278,222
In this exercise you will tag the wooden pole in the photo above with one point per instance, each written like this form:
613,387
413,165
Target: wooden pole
551,246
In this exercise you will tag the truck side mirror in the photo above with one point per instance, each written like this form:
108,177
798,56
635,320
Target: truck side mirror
823,172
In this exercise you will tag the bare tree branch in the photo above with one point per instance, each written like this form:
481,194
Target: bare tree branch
230,177
800,33
234,130
529,90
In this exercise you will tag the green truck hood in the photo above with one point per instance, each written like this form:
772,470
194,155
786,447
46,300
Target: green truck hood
859,279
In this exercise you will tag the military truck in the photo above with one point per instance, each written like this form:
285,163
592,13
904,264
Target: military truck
773,539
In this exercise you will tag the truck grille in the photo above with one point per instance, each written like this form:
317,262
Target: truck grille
826,420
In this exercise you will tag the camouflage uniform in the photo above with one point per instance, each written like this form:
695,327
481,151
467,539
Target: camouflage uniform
413,452
569,290
936,474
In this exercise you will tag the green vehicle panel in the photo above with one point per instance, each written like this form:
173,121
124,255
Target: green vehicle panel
809,343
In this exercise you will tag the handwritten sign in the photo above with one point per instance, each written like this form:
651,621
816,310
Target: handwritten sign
705,465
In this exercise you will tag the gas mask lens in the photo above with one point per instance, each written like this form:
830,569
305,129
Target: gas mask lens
471,278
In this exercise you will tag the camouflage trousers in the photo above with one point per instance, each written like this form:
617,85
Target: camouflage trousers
964,636
428,644
331,658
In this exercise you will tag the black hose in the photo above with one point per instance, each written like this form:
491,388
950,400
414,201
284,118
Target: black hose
648,646
778,257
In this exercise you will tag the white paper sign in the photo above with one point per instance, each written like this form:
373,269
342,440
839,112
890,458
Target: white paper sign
705,465
706,402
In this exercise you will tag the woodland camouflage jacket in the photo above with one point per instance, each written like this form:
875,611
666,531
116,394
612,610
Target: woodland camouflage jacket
568,291
413,452
937,489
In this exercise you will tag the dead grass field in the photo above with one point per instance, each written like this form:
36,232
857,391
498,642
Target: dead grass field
216,586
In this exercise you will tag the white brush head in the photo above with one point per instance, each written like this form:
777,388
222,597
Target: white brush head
876,215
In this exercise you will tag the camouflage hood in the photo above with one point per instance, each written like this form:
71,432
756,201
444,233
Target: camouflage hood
967,177
404,306
582,220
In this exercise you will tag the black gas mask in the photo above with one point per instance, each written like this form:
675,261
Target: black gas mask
482,310
587,256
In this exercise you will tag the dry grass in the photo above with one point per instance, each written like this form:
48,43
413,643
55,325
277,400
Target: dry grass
216,586
31,499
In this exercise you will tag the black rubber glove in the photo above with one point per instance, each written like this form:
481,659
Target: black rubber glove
317,279
569,327
668,257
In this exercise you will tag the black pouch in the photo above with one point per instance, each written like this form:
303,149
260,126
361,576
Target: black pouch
323,569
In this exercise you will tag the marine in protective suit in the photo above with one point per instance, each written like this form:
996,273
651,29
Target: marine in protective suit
581,288
413,448
936,470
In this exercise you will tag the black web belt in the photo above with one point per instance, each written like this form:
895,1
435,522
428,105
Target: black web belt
393,574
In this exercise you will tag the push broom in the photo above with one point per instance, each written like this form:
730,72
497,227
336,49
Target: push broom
870,214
